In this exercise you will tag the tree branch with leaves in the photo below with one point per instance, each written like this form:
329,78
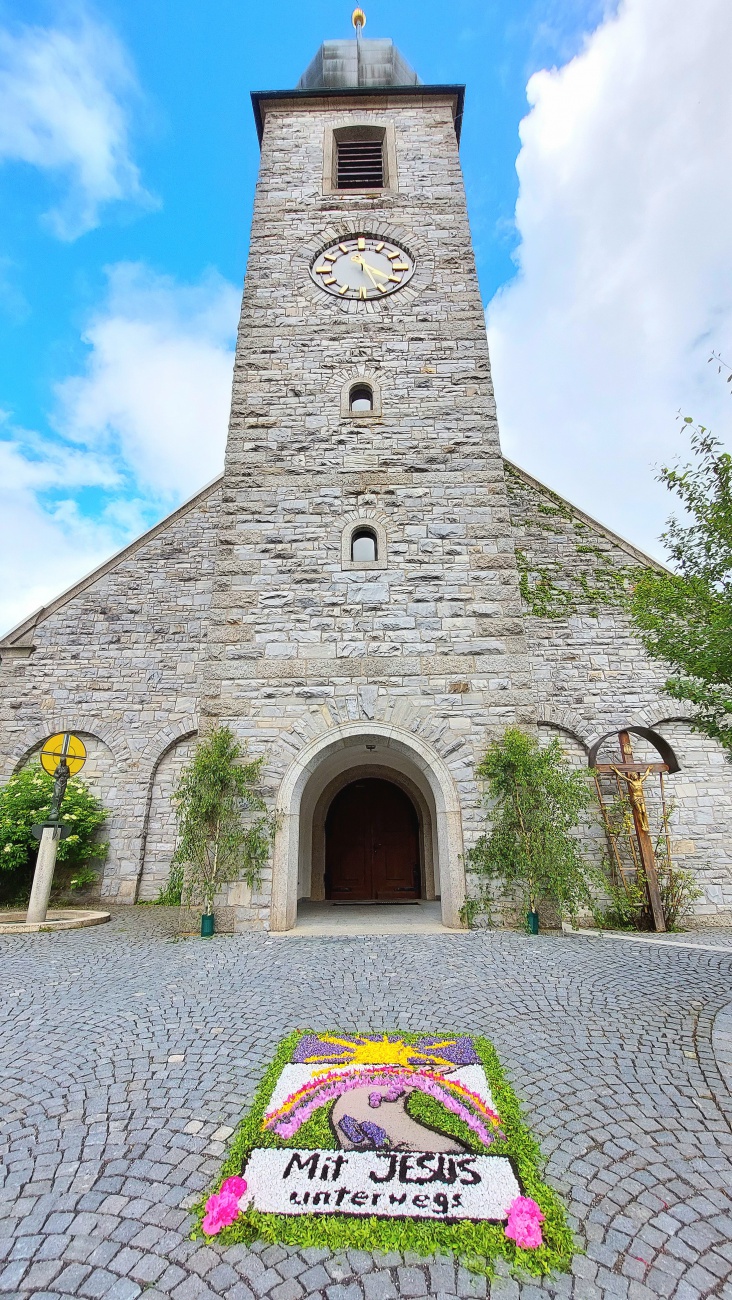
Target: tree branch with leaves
226,829
684,618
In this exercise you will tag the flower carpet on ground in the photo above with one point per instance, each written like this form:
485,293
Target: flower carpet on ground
389,1141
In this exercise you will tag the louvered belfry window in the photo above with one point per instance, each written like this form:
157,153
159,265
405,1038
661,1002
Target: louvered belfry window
360,164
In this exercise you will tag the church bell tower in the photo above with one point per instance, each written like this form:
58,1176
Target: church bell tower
366,623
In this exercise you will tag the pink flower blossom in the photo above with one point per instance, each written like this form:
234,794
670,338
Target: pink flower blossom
524,1219
221,1210
236,1185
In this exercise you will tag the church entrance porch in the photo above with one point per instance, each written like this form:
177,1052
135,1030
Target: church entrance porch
372,850
344,920
369,814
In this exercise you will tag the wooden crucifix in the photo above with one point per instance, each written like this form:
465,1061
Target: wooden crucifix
634,774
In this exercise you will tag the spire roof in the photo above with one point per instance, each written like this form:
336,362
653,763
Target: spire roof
369,64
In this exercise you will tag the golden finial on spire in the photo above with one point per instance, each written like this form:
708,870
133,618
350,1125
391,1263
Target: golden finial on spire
358,18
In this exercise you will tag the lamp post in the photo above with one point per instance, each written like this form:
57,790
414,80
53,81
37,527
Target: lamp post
62,756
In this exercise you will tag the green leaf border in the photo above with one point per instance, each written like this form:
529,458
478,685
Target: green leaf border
476,1245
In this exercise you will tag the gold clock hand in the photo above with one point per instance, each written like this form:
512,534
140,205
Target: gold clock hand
373,270
356,257
370,270
364,267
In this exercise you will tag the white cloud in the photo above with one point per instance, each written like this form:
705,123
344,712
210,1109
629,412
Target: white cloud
625,261
47,543
49,550
141,429
29,462
157,386
64,99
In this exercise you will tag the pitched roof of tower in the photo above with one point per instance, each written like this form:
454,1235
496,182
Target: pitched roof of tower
360,68
364,64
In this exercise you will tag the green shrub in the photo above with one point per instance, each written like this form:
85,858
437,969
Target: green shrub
171,893
226,830
629,908
535,802
24,802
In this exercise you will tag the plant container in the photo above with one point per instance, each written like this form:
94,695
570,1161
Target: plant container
207,925
532,922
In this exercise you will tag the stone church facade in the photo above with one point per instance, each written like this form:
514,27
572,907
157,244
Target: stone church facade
357,595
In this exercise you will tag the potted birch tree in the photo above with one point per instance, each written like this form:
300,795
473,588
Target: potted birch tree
535,803
225,828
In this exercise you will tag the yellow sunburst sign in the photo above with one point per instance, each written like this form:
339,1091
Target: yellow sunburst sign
67,746
363,1050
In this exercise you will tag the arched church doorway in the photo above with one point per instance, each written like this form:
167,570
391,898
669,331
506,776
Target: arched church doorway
372,844
357,751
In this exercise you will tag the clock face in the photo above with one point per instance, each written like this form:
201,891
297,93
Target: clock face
362,267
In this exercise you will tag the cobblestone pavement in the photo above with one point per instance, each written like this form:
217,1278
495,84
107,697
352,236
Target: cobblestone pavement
126,1058
711,937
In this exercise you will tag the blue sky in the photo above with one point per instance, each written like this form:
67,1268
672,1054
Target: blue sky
192,137
128,159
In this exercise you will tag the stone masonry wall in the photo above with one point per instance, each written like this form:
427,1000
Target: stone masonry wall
118,662
161,837
592,676
436,635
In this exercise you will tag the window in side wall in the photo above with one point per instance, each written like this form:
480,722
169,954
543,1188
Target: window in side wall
361,398
364,547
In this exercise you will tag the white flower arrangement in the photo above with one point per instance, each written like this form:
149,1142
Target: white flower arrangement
391,1184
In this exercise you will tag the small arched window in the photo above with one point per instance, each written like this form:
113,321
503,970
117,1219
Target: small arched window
360,399
364,548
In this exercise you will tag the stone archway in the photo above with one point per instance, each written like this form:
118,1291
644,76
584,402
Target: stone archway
398,755
160,830
311,874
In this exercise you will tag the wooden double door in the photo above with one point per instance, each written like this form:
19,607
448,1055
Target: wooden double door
372,844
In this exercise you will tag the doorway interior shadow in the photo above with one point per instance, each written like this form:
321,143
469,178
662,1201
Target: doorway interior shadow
372,844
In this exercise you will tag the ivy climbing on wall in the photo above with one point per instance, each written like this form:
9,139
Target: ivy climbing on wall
564,566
